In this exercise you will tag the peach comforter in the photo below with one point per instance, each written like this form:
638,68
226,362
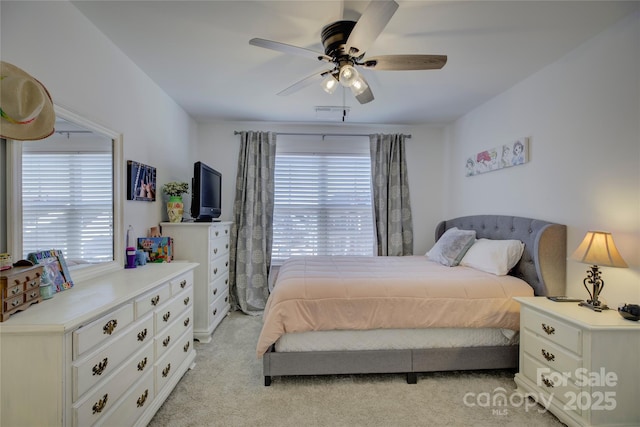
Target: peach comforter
353,293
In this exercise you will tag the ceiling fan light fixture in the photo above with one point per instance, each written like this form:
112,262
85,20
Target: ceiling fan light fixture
359,86
330,84
348,75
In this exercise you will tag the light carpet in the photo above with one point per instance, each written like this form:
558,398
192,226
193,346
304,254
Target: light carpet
226,389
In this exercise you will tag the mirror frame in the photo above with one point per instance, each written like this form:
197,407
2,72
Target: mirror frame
14,196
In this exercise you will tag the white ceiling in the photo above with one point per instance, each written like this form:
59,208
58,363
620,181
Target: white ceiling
198,52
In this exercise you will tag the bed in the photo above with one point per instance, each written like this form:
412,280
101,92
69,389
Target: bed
380,321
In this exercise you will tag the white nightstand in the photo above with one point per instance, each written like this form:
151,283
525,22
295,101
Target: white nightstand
587,364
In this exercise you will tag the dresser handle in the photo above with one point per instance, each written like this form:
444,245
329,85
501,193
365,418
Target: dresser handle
226,246
99,368
546,381
166,316
217,232
215,270
166,341
215,250
142,398
166,370
549,330
16,302
226,281
215,291
109,327
100,404
33,284
226,231
549,356
186,346
33,295
15,291
142,364
186,322
226,299
215,311
155,300
226,264
142,335
186,301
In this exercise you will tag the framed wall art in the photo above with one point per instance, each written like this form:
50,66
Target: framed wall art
141,182
504,156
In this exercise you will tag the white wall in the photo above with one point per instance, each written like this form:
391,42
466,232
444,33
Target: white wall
87,74
582,116
219,148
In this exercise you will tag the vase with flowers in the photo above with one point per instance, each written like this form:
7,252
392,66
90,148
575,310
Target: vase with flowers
175,206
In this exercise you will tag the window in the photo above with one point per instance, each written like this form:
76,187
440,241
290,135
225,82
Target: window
67,203
322,205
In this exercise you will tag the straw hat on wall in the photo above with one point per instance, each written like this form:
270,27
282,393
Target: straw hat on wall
26,109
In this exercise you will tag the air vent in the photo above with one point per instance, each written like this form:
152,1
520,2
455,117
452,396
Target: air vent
332,113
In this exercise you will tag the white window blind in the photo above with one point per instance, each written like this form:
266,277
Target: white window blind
67,204
322,206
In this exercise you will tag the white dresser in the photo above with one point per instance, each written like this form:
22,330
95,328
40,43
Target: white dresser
586,364
106,352
206,243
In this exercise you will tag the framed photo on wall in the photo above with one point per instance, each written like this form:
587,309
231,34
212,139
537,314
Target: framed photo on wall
141,182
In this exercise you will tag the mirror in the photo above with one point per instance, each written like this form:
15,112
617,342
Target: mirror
65,194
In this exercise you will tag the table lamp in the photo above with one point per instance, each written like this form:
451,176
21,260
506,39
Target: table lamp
597,248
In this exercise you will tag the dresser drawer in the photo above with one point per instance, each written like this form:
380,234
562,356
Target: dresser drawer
218,268
151,300
551,382
11,303
219,230
168,365
554,330
181,283
217,287
106,395
132,404
219,307
549,354
165,315
165,340
99,330
101,363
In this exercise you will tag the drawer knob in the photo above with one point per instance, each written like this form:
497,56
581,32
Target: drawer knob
215,291
100,404
99,368
226,299
166,341
166,316
15,291
109,327
142,364
186,301
217,232
226,246
546,381
549,356
155,300
142,398
549,330
186,322
215,270
16,302
166,371
186,346
215,311
226,231
226,281
142,335
226,264
215,250
183,284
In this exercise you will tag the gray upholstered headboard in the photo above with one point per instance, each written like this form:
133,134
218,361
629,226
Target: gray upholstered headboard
544,261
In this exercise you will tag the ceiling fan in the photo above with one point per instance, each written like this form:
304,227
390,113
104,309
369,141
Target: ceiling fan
345,44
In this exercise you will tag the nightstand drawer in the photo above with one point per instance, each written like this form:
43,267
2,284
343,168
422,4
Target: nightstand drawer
553,329
549,354
551,382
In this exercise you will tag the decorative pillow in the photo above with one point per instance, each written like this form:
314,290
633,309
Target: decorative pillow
493,256
451,246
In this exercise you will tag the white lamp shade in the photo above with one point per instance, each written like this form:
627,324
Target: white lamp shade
597,248
329,84
359,86
348,75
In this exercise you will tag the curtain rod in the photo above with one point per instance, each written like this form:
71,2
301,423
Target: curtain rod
317,134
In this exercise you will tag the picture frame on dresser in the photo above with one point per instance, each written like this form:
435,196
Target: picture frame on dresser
54,269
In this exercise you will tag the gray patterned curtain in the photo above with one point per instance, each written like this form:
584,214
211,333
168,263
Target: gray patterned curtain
252,232
392,205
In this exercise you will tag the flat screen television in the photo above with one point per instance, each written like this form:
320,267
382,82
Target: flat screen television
206,193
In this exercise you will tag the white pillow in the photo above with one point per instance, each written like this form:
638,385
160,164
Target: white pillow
451,246
493,256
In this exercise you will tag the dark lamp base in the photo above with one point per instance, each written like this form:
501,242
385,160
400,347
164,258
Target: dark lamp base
588,304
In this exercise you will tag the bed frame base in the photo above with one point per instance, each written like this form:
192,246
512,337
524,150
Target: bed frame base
409,362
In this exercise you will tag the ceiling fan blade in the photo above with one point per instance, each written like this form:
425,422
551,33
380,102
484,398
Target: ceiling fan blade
290,49
405,62
314,78
373,20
